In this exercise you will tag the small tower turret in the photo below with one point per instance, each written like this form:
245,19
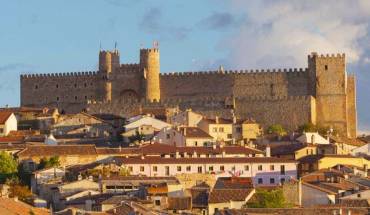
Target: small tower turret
108,64
149,61
109,61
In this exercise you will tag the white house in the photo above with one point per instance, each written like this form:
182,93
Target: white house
8,122
186,118
315,195
143,124
312,138
183,136
44,176
140,120
263,170
359,195
361,150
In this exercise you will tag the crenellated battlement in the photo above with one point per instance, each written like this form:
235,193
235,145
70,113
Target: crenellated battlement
129,68
154,50
59,75
273,98
289,71
327,56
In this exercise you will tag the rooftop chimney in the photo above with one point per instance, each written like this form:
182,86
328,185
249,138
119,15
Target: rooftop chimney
268,151
313,139
234,119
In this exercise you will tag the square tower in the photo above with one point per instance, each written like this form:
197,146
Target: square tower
333,95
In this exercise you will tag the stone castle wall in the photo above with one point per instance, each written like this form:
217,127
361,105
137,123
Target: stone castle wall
321,93
42,89
286,82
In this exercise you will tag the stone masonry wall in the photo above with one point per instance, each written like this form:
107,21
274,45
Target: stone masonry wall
43,89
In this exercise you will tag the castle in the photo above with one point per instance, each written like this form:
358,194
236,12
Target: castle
322,93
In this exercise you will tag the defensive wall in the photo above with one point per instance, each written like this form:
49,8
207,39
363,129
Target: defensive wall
321,93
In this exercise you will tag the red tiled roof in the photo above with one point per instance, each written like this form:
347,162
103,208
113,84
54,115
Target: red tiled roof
58,150
194,132
166,149
4,116
220,121
349,141
11,207
18,139
227,195
160,160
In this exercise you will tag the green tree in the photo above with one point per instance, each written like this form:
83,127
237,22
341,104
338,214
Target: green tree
8,166
322,130
307,127
276,129
47,163
124,171
137,137
268,199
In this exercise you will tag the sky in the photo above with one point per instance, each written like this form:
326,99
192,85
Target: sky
44,36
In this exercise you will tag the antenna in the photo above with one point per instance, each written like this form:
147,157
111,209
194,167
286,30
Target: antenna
100,45
115,45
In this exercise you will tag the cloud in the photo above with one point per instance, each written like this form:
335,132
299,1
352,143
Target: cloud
281,33
16,67
152,23
218,21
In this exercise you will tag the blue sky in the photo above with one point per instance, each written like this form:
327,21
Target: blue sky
63,36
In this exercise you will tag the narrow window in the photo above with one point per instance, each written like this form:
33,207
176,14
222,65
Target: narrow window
246,168
75,85
155,168
36,87
272,89
282,170
222,168
210,168
326,67
282,180
57,86
178,168
76,98
142,168
57,98
260,181
259,167
85,85
272,180
188,168
272,167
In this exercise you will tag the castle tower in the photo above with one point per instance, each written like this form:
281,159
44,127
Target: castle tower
335,99
108,63
149,61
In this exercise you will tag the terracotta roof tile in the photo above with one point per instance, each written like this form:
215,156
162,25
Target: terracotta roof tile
227,195
194,132
58,150
160,160
12,207
4,115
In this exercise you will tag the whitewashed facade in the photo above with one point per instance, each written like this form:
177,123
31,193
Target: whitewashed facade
263,170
